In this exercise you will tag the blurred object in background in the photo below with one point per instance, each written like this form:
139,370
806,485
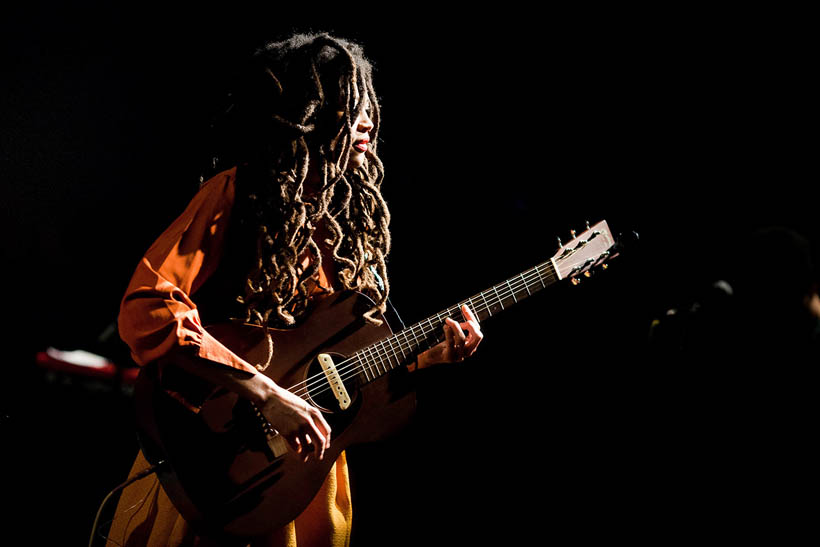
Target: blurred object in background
698,328
104,367
776,281
767,313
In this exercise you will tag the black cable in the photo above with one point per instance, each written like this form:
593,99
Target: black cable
138,476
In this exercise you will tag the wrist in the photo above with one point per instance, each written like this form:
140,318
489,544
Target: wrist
262,389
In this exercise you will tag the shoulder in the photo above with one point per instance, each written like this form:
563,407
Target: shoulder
212,204
206,216
218,192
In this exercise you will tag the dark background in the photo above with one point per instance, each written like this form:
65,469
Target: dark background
501,130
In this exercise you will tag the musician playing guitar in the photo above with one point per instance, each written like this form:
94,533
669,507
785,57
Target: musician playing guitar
295,215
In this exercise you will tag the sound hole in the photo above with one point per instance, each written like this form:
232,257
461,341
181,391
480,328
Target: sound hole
320,390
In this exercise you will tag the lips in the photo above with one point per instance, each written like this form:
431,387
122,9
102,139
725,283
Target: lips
361,145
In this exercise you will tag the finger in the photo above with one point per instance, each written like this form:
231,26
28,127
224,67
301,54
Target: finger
448,331
321,444
319,440
456,331
322,425
472,323
307,442
450,340
319,425
474,336
457,339
468,314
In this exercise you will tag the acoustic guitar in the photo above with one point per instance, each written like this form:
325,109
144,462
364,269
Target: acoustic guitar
228,471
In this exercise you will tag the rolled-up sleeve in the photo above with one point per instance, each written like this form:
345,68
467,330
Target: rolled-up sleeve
157,315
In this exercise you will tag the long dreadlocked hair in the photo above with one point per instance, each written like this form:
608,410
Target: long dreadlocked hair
287,117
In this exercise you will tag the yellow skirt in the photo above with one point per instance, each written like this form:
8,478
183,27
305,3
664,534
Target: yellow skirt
146,517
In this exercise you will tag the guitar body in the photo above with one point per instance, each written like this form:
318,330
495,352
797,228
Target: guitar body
225,471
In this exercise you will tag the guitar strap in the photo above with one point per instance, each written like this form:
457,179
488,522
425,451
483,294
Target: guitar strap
391,314
393,318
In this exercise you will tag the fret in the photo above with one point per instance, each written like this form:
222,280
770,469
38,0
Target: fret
382,354
526,285
411,348
419,336
489,311
413,332
387,348
499,299
512,291
432,328
392,354
369,362
401,349
357,366
376,358
366,358
540,278
362,366
473,307
370,365
404,350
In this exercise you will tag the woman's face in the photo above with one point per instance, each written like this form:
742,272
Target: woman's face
362,126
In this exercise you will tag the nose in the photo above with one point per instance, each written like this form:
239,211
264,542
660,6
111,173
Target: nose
365,124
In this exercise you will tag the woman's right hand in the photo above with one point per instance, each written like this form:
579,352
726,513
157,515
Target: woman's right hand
299,422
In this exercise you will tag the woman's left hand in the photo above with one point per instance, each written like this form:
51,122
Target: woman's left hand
457,344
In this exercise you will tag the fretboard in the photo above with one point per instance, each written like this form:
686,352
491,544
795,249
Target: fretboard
401,348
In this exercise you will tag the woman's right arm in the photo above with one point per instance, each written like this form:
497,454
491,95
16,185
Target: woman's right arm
158,318
300,423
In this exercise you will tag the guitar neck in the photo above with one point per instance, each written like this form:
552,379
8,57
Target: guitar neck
401,348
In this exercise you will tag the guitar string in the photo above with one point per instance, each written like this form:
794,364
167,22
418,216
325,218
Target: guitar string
384,353
380,352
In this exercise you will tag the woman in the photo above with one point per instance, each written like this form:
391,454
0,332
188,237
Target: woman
299,214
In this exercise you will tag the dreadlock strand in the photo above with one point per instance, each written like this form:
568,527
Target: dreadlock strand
273,77
298,127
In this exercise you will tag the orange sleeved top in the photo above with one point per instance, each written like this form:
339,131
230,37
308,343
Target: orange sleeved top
158,315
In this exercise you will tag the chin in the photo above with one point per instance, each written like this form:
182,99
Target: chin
356,160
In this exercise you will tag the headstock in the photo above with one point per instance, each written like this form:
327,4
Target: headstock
587,250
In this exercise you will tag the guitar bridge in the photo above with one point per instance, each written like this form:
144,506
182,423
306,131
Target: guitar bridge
335,381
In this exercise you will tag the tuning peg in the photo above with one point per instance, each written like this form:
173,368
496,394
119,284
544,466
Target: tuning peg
587,225
560,245
588,273
572,233
605,265
575,281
